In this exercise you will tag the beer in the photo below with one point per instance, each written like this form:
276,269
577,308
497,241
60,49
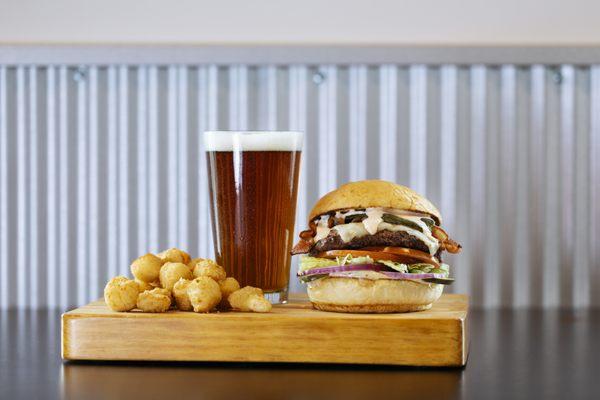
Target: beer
253,179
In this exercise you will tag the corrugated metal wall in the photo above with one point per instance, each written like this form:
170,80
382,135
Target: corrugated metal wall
101,164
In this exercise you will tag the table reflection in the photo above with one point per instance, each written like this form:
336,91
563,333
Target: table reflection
255,381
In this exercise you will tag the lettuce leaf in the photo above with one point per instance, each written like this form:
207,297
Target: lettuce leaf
394,265
348,260
307,262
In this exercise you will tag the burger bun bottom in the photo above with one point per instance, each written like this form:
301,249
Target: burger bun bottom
356,295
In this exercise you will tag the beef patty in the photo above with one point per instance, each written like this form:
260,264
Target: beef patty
382,238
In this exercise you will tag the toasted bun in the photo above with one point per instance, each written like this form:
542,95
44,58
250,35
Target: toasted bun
371,296
374,193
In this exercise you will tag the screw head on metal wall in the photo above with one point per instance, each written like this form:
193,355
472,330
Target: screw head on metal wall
318,78
80,74
557,77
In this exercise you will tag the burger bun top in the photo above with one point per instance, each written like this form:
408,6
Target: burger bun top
374,193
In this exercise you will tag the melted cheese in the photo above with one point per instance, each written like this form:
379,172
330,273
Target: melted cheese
374,223
350,231
322,232
374,218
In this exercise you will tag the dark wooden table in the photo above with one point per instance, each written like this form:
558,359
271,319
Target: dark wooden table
523,354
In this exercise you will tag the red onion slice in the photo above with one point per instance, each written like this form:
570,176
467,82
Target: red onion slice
341,272
344,268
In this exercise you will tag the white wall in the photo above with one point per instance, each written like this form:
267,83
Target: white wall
466,22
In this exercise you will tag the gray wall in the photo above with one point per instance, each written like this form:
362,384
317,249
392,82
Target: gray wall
421,23
101,164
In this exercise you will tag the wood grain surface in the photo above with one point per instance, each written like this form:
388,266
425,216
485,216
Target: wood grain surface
292,332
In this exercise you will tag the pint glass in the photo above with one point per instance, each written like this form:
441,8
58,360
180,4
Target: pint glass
253,183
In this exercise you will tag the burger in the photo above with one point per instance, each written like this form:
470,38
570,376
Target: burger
374,247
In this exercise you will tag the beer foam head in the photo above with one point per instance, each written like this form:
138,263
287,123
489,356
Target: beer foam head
253,141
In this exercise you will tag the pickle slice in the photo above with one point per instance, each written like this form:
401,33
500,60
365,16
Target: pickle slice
421,267
396,220
429,222
355,218
441,281
310,278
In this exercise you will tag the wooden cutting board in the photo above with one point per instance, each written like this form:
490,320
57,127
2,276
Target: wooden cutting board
293,332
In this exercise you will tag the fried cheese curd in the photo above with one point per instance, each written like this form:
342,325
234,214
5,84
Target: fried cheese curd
171,272
182,300
249,299
146,268
228,286
193,263
146,286
174,255
120,294
204,294
154,301
210,269
173,278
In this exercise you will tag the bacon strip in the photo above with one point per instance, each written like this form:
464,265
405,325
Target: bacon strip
445,242
307,234
302,247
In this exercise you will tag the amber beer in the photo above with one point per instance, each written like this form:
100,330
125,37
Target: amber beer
253,183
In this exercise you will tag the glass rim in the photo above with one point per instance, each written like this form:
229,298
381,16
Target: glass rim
253,140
